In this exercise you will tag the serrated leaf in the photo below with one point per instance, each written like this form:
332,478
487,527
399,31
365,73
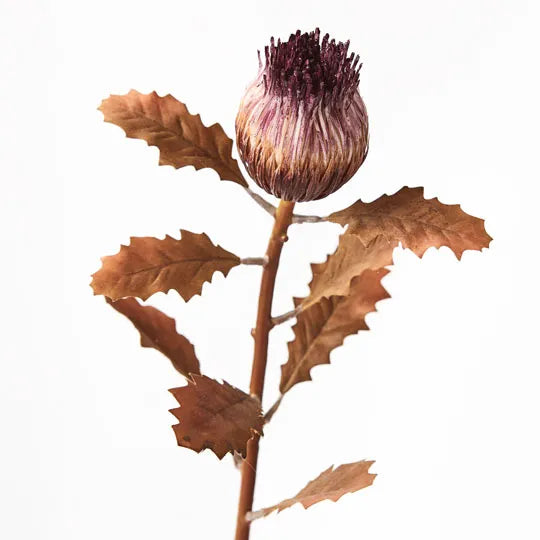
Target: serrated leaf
150,265
416,222
216,416
323,326
181,137
158,331
351,258
331,485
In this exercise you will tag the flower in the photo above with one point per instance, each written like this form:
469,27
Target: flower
302,127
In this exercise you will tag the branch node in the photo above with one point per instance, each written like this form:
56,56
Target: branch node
271,209
252,516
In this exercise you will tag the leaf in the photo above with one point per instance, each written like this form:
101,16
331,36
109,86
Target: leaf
159,332
351,258
416,222
331,485
150,265
181,137
323,326
216,416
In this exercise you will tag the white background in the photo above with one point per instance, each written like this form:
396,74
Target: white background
442,392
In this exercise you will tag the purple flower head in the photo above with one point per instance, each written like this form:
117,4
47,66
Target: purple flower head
302,127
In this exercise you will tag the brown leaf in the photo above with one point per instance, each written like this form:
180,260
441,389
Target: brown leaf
159,332
416,222
150,265
323,326
351,258
181,137
331,485
216,416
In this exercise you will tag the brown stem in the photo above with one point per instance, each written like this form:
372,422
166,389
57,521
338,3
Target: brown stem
278,237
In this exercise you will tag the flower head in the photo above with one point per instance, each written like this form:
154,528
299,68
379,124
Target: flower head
302,127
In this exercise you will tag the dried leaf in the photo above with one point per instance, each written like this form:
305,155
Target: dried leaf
331,485
351,258
181,137
159,332
323,326
216,416
416,222
150,265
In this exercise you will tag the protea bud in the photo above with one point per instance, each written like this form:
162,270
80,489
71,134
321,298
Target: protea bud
302,127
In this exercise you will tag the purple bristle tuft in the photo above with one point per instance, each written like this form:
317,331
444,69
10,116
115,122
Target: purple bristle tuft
304,67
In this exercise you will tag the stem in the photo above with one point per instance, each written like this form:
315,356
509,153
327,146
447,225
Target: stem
263,326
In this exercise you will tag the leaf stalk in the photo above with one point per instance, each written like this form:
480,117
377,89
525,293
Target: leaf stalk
284,317
257,261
